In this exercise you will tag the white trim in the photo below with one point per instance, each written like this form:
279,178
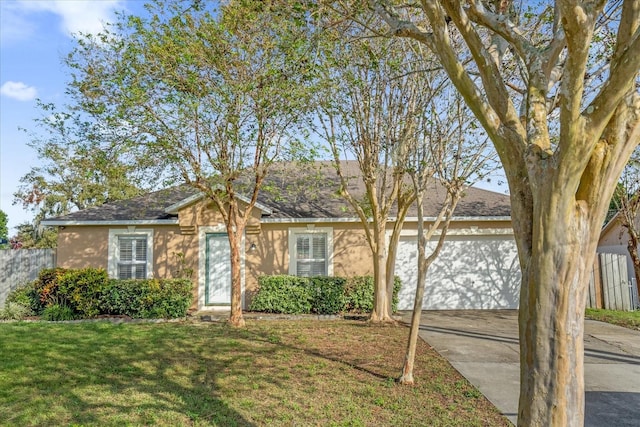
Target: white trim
308,230
173,209
55,222
202,267
391,219
112,259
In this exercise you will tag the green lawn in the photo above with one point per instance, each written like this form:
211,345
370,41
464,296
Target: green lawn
271,373
628,319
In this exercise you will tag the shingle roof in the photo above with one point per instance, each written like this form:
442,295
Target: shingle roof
311,192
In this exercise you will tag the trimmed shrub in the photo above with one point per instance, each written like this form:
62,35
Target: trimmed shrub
147,299
81,289
328,296
283,294
321,295
359,294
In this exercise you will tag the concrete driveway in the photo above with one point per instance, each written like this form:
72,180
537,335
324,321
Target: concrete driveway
483,346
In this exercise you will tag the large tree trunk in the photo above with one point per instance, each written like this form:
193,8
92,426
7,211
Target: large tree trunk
552,304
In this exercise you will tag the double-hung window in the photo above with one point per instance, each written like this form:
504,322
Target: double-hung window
310,252
130,253
132,259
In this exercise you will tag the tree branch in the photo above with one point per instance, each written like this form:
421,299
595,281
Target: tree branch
501,25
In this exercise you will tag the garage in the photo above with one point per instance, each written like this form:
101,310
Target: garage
473,271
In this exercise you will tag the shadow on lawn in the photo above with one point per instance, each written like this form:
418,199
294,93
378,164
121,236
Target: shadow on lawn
100,373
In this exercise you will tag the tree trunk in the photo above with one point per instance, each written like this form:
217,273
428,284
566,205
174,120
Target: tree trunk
381,298
551,315
390,269
235,230
410,356
236,318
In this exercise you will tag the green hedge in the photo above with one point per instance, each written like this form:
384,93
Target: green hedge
170,298
283,294
321,295
359,294
84,293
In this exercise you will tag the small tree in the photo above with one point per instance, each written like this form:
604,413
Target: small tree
31,236
373,108
455,155
212,95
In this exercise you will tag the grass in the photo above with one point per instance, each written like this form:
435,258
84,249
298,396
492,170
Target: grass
337,373
628,319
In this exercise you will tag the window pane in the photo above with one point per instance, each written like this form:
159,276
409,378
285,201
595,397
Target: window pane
126,249
319,246
141,271
318,268
124,271
303,269
141,249
302,247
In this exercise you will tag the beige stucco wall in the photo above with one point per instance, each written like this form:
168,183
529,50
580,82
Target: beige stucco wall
87,246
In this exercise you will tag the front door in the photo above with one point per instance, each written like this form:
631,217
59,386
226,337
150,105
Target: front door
218,285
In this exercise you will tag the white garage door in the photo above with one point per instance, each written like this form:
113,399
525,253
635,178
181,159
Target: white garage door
472,272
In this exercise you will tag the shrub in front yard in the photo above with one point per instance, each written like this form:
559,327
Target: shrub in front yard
46,288
321,295
152,298
80,290
282,294
27,296
327,294
65,294
359,294
14,311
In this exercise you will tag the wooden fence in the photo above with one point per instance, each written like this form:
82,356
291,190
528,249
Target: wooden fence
610,287
21,266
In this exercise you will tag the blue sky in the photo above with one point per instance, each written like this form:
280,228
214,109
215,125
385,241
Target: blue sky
34,36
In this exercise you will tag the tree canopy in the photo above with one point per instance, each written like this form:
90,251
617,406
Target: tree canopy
212,95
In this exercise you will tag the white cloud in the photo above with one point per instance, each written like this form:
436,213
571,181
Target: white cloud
18,90
76,16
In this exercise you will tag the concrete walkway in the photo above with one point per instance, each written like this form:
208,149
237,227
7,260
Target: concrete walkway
483,346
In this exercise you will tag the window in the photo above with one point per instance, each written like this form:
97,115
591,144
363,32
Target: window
130,254
310,252
132,259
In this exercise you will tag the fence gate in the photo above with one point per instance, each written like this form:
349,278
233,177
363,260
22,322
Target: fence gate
20,266
609,286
